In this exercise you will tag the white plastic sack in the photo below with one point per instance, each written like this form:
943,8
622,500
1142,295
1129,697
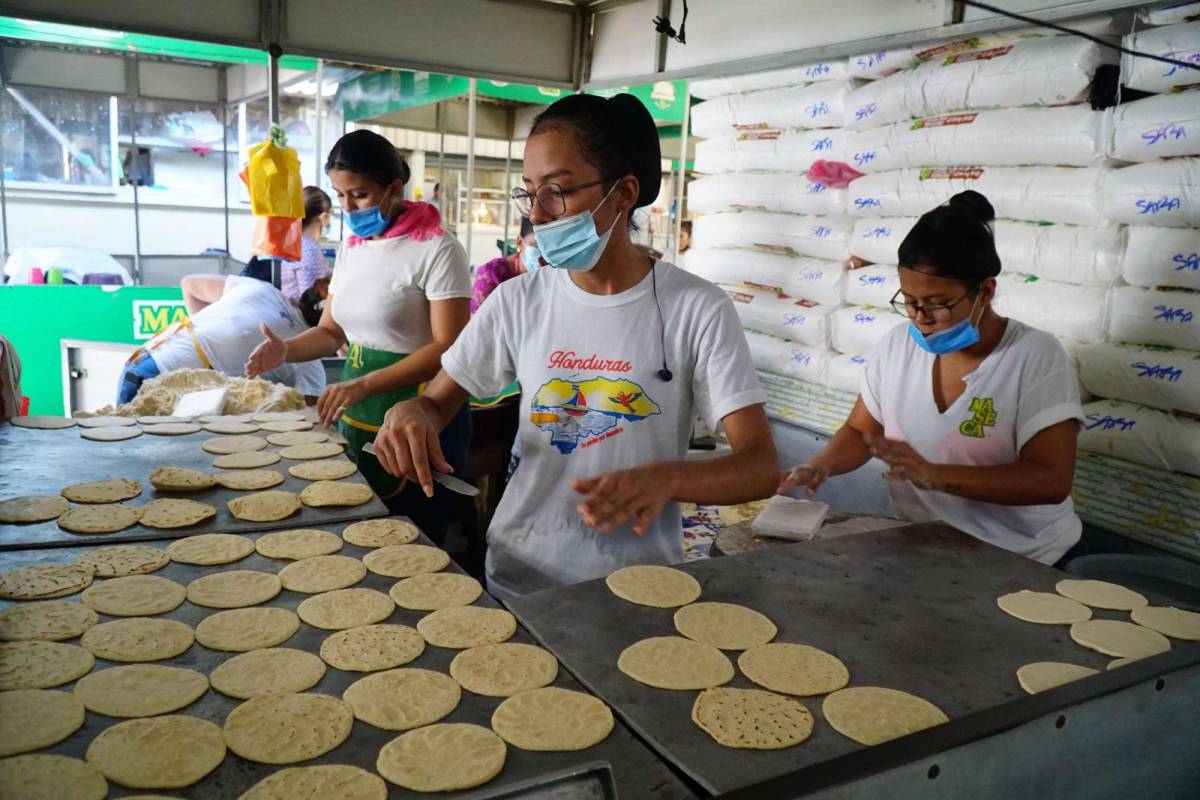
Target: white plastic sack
814,105
857,329
1037,194
1180,42
708,88
1061,309
1062,136
1170,14
1159,377
877,239
1160,193
1157,127
1072,349
845,372
1162,257
765,311
75,263
790,192
881,63
786,234
812,279
1046,71
1141,435
872,286
776,151
1166,317
782,357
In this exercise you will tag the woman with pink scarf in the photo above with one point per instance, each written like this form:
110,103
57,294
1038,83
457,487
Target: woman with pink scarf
399,298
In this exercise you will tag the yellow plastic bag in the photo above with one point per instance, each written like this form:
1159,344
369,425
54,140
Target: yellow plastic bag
273,177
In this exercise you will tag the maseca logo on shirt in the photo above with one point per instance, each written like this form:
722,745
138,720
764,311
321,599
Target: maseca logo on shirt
580,413
983,415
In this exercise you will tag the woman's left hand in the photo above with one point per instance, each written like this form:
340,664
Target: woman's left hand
905,463
337,397
639,493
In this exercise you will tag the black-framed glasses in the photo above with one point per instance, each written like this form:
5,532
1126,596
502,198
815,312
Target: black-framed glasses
550,196
941,312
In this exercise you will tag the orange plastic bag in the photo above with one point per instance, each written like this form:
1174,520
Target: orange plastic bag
273,174
276,237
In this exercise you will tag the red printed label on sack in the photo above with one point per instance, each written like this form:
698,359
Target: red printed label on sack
779,249
942,122
953,47
977,55
739,297
760,136
757,126
953,173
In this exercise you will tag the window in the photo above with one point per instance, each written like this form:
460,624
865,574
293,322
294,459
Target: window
57,137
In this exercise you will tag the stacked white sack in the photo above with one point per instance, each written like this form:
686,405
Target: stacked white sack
1061,309
813,279
872,286
782,357
1064,136
789,318
814,105
786,234
1089,256
1072,348
881,63
1164,317
1049,71
1159,377
1142,435
1036,194
780,151
845,372
857,329
1162,257
790,192
1179,42
770,79
1163,126
1159,193
1170,14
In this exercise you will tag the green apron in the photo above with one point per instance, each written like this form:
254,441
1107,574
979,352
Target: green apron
361,421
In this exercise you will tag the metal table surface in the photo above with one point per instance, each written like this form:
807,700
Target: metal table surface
637,773
36,462
911,608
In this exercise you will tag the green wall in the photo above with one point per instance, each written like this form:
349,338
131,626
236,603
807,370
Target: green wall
37,318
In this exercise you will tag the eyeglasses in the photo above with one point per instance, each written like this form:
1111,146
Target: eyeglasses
937,313
550,196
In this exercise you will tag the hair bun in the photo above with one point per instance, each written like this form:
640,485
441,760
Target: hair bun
975,204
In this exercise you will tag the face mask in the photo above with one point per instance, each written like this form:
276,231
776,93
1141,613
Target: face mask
530,257
957,337
572,242
367,222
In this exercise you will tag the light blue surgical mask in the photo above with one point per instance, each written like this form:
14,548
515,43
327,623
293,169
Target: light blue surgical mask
572,242
957,337
368,222
530,257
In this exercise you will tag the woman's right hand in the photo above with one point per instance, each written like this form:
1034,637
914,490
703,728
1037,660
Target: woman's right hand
407,444
267,356
810,476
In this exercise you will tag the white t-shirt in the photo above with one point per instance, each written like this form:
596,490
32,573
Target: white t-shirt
593,404
228,333
382,287
1024,386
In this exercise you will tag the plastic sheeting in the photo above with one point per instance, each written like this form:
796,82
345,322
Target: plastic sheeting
857,329
1165,317
1159,377
1142,435
786,234
1162,257
1180,42
1157,127
771,79
1160,193
812,279
1061,309
815,105
789,318
790,192
1049,71
780,151
1036,194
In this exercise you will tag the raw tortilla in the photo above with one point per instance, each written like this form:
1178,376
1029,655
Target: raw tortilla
1101,594
1042,675
33,508
1043,607
672,662
113,491
872,715
287,728
724,625
402,699
751,718
368,648
503,670
167,752
649,585
551,719
1120,639
442,757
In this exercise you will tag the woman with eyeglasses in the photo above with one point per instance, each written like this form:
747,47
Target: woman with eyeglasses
615,351
399,297
975,415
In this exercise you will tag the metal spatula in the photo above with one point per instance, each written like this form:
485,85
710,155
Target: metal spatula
449,481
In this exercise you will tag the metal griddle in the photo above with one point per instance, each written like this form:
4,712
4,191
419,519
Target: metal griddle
620,761
911,608
36,462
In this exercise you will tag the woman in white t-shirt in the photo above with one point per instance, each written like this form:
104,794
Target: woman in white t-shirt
399,297
615,352
976,415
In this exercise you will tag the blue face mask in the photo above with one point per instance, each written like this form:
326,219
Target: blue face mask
957,337
530,257
572,242
367,222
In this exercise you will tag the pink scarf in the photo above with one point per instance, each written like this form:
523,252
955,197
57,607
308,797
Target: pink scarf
420,220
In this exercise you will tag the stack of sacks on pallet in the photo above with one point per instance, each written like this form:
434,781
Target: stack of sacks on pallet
1149,371
776,241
